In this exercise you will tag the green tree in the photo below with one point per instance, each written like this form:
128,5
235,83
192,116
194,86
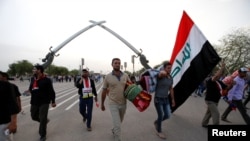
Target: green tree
56,70
74,72
20,68
128,72
234,48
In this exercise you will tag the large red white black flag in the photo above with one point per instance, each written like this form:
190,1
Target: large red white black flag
193,58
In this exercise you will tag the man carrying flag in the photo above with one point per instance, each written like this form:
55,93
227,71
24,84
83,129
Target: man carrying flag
193,58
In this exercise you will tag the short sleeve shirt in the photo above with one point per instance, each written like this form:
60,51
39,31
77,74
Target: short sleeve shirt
236,93
116,86
213,90
163,86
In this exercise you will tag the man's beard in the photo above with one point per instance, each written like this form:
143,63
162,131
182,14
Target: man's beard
116,69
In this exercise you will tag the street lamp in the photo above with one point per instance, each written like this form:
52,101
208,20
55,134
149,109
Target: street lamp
133,62
82,62
125,65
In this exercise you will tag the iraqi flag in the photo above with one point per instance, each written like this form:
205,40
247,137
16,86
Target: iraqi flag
193,58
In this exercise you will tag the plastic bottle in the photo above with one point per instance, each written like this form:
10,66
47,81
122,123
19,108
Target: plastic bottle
7,132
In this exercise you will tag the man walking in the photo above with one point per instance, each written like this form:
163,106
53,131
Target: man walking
235,96
164,87
8,108
87,91
213,96
114,84
42,94
14,89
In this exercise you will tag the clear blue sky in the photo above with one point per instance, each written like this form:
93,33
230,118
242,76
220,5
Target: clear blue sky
29,27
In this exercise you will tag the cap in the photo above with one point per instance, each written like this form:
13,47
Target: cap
85,70
243,70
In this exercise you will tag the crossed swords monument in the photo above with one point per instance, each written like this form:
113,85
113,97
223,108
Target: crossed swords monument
50,56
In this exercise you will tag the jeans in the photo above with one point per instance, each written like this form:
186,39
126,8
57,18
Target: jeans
163,110
40,114
86,104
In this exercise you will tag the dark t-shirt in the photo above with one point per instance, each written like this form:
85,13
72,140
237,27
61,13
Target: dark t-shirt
213,90
163,86
8,104
17,92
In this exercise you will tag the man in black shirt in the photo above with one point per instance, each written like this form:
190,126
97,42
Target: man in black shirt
213,95
5,77
42,94
8,107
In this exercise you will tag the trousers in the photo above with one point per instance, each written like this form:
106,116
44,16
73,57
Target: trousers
40,114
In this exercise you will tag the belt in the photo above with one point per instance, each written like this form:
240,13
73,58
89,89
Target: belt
87,95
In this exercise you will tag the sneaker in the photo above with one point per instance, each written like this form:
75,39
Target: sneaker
161,135
89,129
226,120
43,138
84,119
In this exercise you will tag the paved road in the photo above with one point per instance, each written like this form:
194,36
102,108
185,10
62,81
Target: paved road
66,122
